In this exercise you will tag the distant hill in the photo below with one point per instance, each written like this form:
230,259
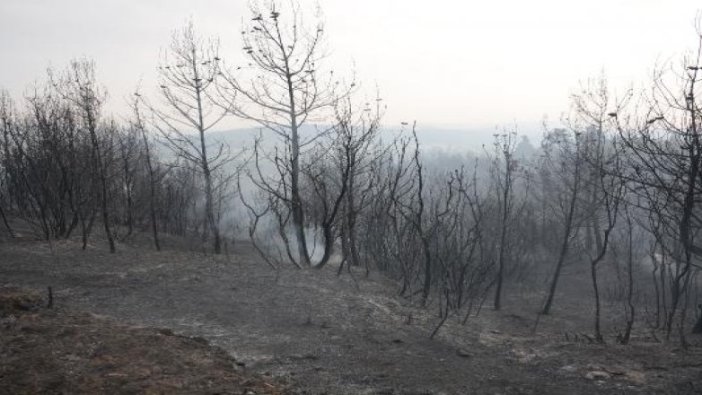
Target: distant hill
453,139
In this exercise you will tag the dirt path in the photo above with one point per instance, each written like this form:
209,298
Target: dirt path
324,334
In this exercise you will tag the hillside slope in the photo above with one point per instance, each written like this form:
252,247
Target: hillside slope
319,333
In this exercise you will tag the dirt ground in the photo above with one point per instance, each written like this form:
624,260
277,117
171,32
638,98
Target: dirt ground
55,351
311,332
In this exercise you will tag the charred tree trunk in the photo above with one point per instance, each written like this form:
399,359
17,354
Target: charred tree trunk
565,243
152,179
5,222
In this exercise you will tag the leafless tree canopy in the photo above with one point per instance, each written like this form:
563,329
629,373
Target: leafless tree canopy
612,194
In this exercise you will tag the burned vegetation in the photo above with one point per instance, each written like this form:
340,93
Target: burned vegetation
332,253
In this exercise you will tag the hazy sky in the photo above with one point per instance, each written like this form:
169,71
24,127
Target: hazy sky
450,63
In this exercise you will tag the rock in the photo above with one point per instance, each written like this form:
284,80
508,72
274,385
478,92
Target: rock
569,368
597,375
200,339
166,332
463,353
17,301
8,321
635,377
